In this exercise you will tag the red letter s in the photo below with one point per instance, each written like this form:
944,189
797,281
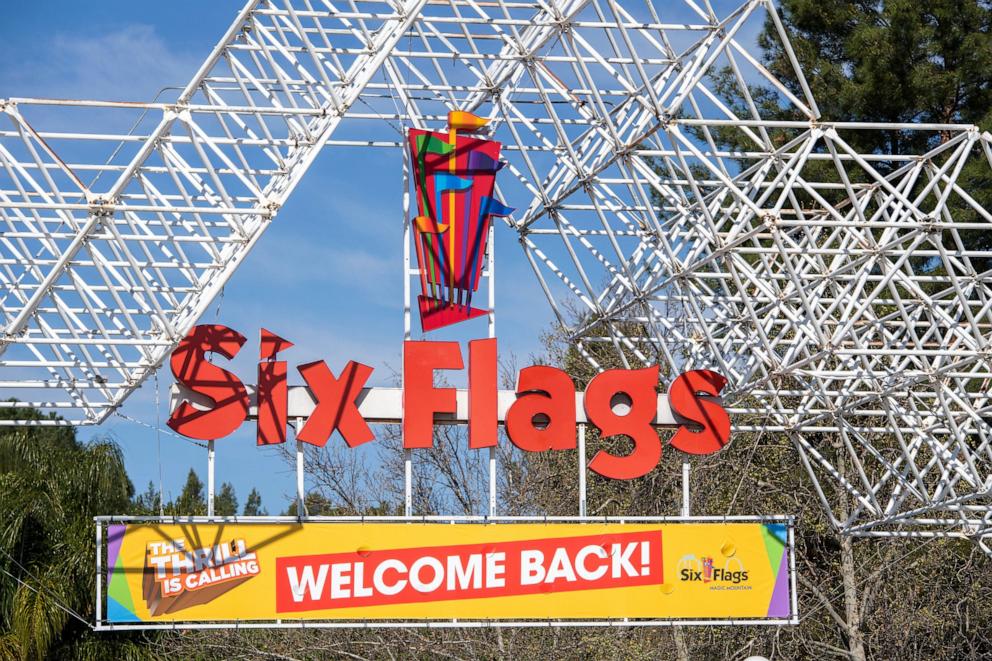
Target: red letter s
223,389
686,402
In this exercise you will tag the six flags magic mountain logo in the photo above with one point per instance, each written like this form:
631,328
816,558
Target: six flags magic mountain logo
693,569
454,176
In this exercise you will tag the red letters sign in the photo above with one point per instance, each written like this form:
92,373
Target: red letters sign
542,417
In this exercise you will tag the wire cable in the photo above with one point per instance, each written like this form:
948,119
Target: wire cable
158,447
39,590
145,424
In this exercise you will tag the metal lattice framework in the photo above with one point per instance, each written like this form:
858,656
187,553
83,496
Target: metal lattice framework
839,291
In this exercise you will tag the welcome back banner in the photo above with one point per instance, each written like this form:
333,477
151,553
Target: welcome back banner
435,571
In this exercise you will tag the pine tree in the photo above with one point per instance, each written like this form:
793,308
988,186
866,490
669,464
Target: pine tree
191,501
890,61
253,506
148,502
898,61
226,502
316,505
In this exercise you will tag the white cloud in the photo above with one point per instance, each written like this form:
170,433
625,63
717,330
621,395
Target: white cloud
131,64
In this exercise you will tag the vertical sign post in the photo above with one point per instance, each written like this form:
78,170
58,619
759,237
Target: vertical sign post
685,488
490,269
407,453
301,508
582,469
210,478
99,573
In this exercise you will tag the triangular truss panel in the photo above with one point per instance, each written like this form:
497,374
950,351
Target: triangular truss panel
842,293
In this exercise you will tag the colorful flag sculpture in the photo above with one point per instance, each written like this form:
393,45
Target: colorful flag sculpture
454,177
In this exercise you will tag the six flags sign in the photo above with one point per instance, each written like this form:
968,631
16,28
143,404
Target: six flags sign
454,178
540,415
160,573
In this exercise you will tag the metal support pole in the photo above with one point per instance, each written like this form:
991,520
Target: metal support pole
685,488
99,573
792,570
582,470
491,269
407,453
492,481
301,508
408,477
210,478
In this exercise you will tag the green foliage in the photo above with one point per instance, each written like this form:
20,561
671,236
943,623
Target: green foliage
893,61
316,505
253,506
51,487
191,501
226,502
149,502
890,61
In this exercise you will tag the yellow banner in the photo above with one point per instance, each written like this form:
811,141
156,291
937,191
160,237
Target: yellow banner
436,571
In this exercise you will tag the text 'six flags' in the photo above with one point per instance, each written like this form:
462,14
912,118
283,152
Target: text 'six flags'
454,177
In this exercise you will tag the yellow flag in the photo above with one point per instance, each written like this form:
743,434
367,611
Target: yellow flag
428,225
459,120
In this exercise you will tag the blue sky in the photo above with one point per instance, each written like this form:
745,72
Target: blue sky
326,275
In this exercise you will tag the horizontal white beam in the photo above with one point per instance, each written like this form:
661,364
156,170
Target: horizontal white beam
385,405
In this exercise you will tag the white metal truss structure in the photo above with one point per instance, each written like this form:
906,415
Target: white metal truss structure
841,292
